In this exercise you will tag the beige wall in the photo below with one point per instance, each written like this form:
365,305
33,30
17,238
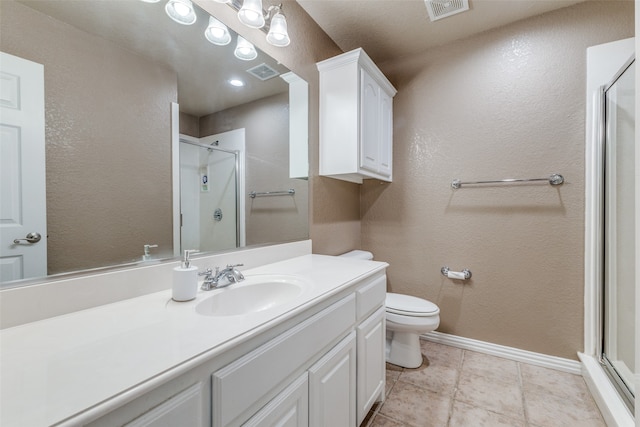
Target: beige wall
507,103
108,149
189,125
266,124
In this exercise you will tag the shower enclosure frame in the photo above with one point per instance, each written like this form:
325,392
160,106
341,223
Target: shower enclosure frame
175,173
184,139
603,64
608,327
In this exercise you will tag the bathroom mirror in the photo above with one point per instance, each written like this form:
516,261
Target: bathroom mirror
125,90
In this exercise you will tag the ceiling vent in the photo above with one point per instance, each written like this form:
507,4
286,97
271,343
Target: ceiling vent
439,9
263,72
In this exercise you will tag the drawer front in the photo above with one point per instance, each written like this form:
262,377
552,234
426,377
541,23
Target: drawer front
182,409
239,387
371,296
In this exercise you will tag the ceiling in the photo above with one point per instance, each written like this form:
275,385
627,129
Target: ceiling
203,69
388,29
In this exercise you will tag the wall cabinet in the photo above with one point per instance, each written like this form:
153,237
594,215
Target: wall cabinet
356,119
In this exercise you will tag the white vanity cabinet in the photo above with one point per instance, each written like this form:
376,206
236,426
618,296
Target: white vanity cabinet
244,386
338,352
323,366
356,119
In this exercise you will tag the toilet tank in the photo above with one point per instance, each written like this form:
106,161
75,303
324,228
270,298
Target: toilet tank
358,254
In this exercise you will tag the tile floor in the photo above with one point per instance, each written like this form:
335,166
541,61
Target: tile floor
461,388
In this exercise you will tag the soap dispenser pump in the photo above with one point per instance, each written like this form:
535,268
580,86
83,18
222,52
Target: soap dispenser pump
185,279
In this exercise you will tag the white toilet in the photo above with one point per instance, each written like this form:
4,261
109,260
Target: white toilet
407,317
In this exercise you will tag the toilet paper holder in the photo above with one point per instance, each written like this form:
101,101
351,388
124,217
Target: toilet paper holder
460,275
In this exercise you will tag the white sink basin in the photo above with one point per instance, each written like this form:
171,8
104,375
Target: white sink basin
252,295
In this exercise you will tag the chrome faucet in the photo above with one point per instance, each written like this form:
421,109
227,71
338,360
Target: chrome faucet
221,278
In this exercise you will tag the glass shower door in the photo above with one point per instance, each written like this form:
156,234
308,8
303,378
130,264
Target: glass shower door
208,198
618,352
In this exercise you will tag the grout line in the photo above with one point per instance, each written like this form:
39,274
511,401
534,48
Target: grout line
524,403
455,388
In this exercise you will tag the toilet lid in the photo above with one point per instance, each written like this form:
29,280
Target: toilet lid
409,305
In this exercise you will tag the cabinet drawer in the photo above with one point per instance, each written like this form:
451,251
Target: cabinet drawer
240,388
182,409
371,296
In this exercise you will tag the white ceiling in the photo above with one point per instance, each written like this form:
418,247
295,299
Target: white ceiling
203,69
388,29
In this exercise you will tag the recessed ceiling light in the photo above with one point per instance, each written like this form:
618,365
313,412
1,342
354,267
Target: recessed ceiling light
236,82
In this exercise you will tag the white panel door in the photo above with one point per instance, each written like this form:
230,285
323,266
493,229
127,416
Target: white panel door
22,169
332,386
386,135
371,362
370,123
289,409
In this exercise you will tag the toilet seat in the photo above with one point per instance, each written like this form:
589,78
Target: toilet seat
407,305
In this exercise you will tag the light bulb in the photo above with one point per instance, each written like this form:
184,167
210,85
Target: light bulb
250,14
217,33
278,35
245,50
181,11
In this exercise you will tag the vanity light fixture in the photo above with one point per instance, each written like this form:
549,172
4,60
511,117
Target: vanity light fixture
278,35
217,33
181,11
245,50
250,14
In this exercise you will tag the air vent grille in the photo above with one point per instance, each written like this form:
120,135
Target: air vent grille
263,72
439,9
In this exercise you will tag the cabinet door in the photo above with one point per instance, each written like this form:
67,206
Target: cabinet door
332,386
369,123
289,409
371,362
386,135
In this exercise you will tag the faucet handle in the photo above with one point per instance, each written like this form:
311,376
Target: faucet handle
206,272
234,265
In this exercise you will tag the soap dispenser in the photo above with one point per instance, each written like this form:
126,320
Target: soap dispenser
185,279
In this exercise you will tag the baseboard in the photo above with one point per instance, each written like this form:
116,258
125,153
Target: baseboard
511,353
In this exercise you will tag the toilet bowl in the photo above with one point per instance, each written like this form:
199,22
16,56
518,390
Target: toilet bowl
406,318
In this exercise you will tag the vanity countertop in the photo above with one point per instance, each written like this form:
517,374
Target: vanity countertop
96,359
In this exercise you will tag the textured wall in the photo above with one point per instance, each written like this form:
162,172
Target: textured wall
266,123
108,149
506,103
334,205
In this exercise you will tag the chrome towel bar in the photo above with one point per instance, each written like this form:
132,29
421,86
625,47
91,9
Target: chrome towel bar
555,179
289,192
